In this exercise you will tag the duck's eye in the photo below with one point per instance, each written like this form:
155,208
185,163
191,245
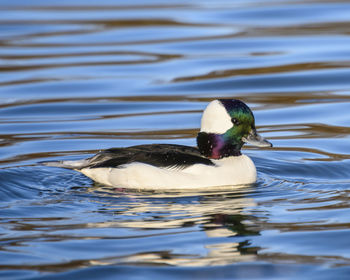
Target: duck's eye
235,121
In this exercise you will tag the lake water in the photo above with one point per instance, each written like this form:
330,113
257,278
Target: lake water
80,76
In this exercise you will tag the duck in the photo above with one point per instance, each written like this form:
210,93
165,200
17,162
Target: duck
226,125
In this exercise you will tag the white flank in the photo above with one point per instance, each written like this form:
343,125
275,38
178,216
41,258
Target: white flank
228,171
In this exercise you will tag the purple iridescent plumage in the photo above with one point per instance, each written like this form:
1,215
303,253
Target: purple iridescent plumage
219,144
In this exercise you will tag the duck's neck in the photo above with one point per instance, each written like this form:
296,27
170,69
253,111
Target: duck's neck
217,146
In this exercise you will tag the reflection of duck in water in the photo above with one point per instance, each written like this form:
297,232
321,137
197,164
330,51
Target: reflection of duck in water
194,228
226,125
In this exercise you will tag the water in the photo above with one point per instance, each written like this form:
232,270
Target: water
80,76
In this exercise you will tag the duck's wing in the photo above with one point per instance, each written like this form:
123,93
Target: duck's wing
160,155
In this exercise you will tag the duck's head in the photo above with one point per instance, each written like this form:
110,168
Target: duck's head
226,125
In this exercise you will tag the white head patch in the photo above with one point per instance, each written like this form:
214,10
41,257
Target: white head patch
215,118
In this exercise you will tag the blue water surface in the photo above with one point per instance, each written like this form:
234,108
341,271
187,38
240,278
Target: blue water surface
78,76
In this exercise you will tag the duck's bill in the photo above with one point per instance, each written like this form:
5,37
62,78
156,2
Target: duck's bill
255,139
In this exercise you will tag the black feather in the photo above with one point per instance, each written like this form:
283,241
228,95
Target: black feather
160,155
206,142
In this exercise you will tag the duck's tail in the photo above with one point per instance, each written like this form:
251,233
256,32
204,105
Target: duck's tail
69,164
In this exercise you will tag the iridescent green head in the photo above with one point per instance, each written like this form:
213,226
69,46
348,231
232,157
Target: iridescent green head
226,125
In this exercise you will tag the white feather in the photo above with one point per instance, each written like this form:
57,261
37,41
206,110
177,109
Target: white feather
215,118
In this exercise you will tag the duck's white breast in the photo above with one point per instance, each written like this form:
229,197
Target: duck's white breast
228,171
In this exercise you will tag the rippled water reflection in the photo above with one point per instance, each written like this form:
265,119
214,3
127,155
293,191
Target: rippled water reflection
80,76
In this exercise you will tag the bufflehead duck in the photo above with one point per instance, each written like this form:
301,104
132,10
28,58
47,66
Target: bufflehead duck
225,126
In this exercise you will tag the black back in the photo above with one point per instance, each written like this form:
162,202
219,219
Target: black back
160,155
